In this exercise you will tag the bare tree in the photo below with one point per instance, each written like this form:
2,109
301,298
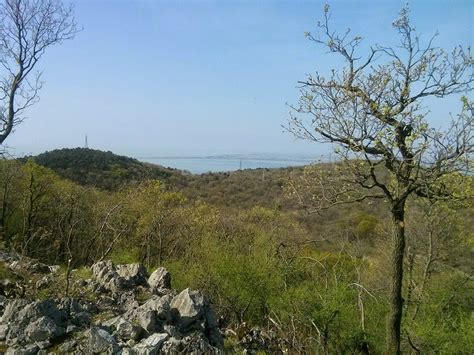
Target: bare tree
371,110
27,29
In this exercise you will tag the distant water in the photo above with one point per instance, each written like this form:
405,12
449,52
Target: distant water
204,165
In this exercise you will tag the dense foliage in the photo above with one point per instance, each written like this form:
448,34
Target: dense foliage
311,283
103,170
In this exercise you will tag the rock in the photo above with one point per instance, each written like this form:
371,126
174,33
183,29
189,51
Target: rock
193,312
134,274
166,323
43,282
126,330
80,283
28,265
104,272
31,349
172,331
161,305
151,345
120,277
79,313
71,329
192,344
54,268
189,305
43,329
148,321
11,289
3,331
43,344
67,346
99,341
151,315
159,281
15,265
127,301
38,268
21,315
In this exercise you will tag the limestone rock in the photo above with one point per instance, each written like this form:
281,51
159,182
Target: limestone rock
100,341
126,330
159,281
43,329
151,345
117,278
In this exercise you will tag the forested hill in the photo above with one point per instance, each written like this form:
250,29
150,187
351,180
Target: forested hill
104,170
109,171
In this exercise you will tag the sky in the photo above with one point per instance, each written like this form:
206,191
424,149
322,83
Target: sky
199,77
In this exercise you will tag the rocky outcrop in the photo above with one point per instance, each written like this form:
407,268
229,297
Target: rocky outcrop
133,313
117,278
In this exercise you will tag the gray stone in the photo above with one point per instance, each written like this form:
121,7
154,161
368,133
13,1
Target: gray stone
191,311
150,315
195,344
151,345
99,341
126,330
31,349
172,331
43,282
67,346
43,344
148,320
134,274
3,331
54,268
38,268
116,278
189,306
21,315
159,280
43,329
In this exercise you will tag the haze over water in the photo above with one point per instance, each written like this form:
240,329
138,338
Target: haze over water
200,165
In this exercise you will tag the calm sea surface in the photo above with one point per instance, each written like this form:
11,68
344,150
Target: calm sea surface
204,165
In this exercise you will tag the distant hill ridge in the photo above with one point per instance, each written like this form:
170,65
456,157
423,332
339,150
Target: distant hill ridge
104,170
109,171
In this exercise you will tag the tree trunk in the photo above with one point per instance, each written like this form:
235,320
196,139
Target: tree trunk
394,319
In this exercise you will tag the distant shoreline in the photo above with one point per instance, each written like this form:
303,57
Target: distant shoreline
230,158
216,164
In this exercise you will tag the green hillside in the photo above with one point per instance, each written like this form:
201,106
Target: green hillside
104,170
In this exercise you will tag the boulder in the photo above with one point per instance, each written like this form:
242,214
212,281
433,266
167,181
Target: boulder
159,281
126,330
43,329
188,308
133,274
21,315
100,341
151,315
151,345
107,276
191,311
116,278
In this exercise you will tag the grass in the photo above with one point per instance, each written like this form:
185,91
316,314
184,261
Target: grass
83,273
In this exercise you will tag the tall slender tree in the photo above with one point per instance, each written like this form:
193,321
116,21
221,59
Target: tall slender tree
371,109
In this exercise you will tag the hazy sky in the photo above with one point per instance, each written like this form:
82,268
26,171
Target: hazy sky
147,78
